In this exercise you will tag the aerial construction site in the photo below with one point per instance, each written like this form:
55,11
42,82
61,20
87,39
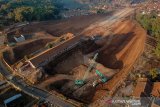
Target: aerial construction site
82,59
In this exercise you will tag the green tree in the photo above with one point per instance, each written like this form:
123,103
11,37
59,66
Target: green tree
29,10
49,45
23,14
100,11
151,23
157,50
153,73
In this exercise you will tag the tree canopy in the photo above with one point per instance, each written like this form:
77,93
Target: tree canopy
29,10
151,23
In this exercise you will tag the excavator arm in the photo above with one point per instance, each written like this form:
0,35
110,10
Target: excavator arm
81,82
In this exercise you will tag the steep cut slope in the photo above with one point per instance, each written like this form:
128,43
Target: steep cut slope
126,46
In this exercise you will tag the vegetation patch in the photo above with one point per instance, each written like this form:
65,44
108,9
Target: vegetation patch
12,11
151,23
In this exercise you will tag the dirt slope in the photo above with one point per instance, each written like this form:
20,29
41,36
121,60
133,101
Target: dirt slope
74,25
126,45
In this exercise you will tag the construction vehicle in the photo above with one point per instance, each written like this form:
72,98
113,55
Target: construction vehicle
102,79
59,40
92,65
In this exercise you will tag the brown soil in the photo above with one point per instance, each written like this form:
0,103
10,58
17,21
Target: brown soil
117,54
126,46
29,36
73,25
18,52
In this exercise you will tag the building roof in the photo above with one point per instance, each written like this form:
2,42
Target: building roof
156,89
143,88
45,55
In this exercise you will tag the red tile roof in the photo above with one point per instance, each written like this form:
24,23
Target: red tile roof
143,88
156,89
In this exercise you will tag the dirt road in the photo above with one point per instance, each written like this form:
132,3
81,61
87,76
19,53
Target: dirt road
73,25
105,24
76,25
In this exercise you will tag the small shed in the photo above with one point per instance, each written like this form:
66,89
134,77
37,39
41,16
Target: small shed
20,39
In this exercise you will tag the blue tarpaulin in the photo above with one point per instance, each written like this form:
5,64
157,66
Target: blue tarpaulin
12,98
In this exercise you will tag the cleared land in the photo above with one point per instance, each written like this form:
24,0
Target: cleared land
115,61
122,53
121,43
73,25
